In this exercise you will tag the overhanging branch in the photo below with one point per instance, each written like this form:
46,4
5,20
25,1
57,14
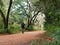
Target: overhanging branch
35,15
2,14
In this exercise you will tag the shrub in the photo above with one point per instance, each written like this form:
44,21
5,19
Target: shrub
2,31
11,29
14,29
33,28
30,28
50,28
56,36
35,42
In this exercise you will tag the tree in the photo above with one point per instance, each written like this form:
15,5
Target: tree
6,19
49,8
25,8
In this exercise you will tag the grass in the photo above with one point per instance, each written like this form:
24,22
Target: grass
35,42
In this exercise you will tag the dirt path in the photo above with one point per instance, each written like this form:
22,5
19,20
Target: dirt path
20,39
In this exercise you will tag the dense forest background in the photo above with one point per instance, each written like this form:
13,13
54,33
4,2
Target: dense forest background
14,12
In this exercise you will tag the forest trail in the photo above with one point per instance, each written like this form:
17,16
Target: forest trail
21,39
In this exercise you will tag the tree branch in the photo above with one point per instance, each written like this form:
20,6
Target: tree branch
35,15
2,14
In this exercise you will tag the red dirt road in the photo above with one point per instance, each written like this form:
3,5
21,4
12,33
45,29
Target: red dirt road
20,39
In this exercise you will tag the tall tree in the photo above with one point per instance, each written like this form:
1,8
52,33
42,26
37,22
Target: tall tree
6,19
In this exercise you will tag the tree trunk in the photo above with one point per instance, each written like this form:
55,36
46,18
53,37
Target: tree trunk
28,23
5,19
5,24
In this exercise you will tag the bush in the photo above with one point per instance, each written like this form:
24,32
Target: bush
14,29
56,36
56,41
33,28
35,42
2,31
11,29
50,28
30,28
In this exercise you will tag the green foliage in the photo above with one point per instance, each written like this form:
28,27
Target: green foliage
14,29
2,31
1,26
33,28
51,28
35,42
3,5
45,43
54,31
30,28
19,13
51,10
56,36
53,18
11,29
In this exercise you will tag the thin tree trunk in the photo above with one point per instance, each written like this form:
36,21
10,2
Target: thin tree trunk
28,23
